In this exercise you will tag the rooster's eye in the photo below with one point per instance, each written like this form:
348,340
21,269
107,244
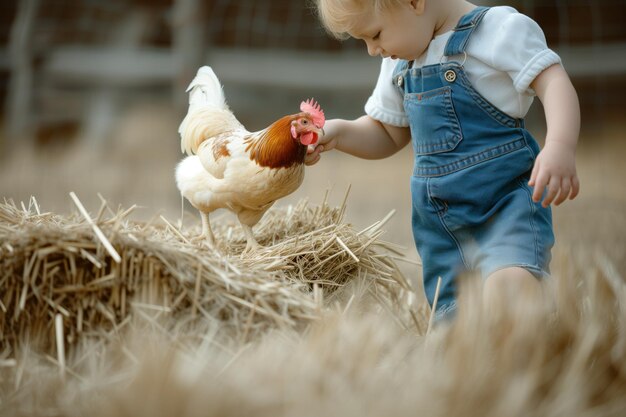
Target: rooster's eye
305,122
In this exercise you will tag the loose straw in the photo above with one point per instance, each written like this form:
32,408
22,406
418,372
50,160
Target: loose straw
432,313
107,245
346,248
58,325
175,230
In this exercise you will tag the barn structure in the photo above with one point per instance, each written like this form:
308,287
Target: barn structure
68,62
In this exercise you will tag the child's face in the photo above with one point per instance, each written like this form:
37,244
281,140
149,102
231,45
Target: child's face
401,32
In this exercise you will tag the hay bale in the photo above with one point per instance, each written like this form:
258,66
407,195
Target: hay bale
95,273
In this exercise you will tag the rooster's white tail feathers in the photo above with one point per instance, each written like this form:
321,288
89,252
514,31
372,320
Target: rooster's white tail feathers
208,113
206,91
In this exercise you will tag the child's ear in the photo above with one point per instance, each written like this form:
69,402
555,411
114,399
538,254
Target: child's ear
418,6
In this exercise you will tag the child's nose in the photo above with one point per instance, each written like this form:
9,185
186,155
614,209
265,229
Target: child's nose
372,49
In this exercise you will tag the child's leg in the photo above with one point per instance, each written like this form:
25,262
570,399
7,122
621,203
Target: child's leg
511,288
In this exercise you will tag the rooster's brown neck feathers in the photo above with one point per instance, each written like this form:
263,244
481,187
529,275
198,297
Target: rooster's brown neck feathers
274,147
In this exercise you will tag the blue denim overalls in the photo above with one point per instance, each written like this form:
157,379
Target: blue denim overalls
472,207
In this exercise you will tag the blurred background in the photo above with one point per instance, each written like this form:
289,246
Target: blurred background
92,92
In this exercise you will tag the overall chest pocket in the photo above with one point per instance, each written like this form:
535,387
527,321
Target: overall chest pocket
434,124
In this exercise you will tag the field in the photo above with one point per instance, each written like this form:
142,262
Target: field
360,349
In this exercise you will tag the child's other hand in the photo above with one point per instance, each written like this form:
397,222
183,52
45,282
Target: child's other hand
555,168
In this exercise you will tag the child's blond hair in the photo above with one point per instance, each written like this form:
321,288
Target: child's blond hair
341,16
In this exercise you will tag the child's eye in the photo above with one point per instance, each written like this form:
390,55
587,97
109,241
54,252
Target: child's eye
376,36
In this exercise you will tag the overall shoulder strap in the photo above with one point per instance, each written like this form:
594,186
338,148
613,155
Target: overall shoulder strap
464,29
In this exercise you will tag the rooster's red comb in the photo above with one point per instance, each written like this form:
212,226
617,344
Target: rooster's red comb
317,114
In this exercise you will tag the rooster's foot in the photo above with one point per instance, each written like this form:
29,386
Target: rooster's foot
203,241
252,248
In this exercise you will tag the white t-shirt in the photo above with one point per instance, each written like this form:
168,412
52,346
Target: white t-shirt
504,55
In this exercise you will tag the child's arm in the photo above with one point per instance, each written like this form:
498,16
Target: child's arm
555,166
364,137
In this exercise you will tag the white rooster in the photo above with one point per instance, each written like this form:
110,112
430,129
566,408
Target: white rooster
230,167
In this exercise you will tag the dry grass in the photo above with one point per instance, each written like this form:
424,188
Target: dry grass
566,358
301,328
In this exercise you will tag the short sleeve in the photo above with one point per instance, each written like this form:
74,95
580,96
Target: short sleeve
386,102
519,48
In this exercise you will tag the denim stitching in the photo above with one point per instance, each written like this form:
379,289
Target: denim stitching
455,117
429,94
471,160
485,105
468,23
447,144
532,268
533,210
443,224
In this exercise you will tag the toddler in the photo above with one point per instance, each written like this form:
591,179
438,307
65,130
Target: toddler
456,81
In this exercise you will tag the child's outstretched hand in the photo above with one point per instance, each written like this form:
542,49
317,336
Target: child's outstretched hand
325,143
364,137
555,168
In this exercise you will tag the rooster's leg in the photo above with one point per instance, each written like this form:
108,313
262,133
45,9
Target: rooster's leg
251,244
207,233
